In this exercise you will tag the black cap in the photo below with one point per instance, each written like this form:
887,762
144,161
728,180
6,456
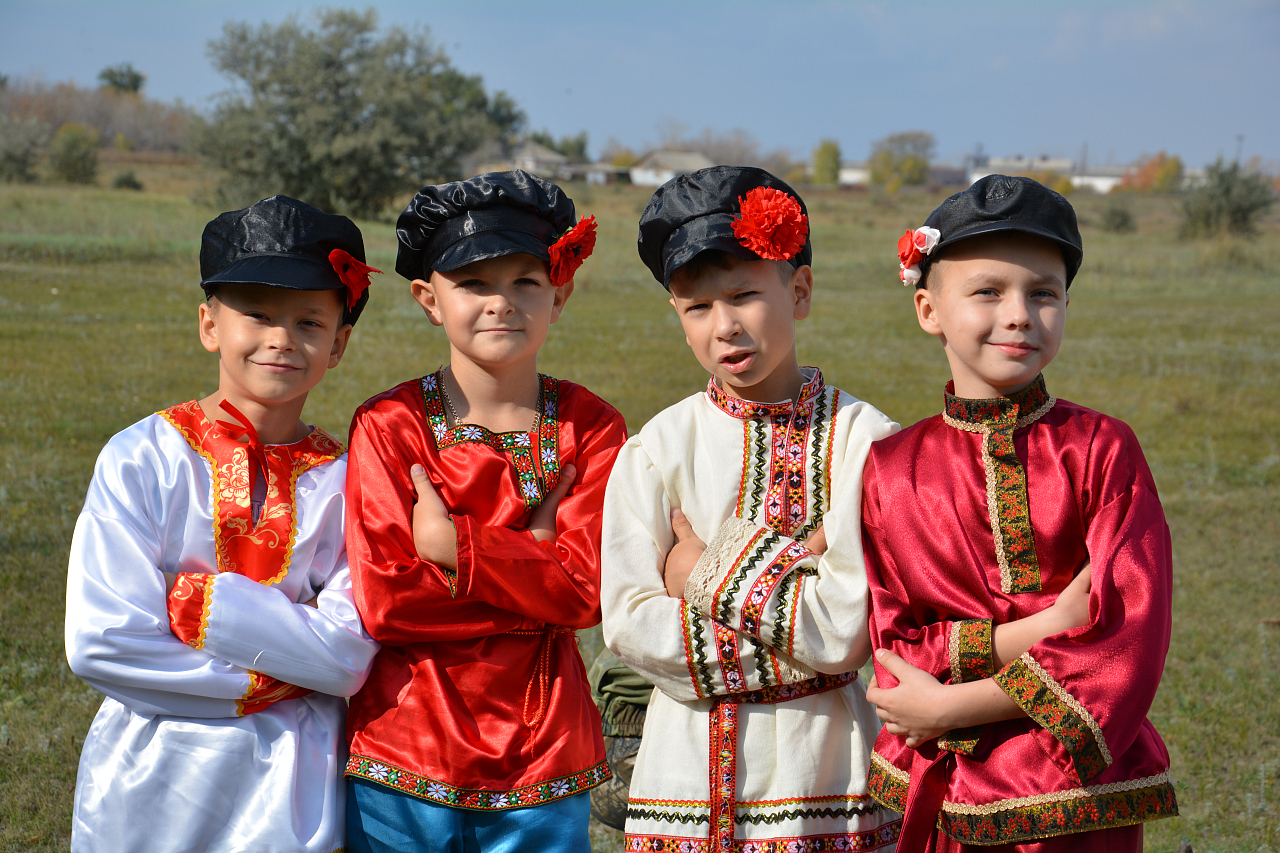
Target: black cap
279,242
1003,203
694,213
447,226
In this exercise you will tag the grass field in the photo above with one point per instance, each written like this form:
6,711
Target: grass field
98,296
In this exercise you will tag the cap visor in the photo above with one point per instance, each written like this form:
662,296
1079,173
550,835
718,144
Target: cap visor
291,271
490,244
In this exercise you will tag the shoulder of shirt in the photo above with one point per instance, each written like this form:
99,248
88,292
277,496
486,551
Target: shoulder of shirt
671,425
1101,427
865,415
579,396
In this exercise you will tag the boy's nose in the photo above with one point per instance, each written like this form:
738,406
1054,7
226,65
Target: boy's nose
279,337
1017,313
726,323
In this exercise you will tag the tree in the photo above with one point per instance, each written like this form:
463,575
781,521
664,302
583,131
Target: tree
341,117
1230,200
573,147
901,158
826,163
73,156
20,141
122,78
1158,174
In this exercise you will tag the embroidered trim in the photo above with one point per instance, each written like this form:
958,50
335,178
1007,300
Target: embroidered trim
739,408
723,772
264,691
781,627
663,816
961,741
535,454
869,839
762,588
888,784
700,649
688,649
475,799
971,649
712,571
1046,702
735,680
1062,813
996,420
785,502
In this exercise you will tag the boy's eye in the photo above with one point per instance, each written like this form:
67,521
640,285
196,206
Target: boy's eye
745,294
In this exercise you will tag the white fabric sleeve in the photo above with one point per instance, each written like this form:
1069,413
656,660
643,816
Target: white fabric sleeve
681,651
117,622
323,648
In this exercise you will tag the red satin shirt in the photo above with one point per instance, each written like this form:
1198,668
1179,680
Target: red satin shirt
478,698
981,516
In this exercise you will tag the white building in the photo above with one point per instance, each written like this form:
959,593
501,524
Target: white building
657,167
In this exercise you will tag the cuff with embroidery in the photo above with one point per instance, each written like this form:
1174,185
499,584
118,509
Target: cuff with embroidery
264,691
961,741
735,579
1050,705
188,604
970,650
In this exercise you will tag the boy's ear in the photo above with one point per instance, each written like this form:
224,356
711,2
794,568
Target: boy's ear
801,285
340,341
208,328
424,294
927,311
563,292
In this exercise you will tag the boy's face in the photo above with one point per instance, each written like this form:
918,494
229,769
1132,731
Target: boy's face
740,323
274,344
496,312
999,305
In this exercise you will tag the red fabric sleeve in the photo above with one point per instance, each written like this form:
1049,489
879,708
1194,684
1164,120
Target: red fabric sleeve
401,598
1101,679
553,582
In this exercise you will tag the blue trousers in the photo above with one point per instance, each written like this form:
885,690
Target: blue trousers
380,820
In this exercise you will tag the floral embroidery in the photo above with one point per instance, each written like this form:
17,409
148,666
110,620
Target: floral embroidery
971,650
735,680
407,782
739,408
753,606
1060,813
535,455
867,839
996,420
1046,702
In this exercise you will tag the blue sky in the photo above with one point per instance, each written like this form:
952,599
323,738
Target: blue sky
1020,78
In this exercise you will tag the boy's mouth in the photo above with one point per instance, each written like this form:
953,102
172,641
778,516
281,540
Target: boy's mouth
737,362
1015,349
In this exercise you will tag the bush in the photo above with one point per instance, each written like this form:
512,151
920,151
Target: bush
1118,219
20,142
73,156
901,158
1229,201
126,180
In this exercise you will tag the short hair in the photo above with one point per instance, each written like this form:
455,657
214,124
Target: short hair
719,259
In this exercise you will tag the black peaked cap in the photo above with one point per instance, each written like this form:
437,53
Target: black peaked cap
279,242
447,226
694,213
1003,203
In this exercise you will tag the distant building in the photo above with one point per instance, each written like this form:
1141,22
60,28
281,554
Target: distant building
657,167
854,175
539,159
1100,179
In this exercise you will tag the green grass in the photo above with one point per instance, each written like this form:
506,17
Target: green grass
98,296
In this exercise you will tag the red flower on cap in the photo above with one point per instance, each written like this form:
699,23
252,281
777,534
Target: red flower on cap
353,273
771,224
573,247
912,247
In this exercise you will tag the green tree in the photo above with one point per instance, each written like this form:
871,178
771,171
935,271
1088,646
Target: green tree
826,163
122,78
573,147
20,141
901,158
1230,200
341,116
73,155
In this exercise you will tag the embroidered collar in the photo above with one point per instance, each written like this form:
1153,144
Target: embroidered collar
1020,409
747,409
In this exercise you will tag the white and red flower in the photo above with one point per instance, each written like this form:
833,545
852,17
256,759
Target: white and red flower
913,247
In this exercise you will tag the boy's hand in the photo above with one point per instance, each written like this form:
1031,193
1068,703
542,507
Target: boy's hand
684,555
434,536
914,707
817,541
542,523
1071,608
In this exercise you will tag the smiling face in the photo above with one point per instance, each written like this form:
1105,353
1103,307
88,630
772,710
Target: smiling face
739,320
274,344
999,306
496,312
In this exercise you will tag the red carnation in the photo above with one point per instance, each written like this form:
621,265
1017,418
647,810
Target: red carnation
353,273
908,254
771,224
573,247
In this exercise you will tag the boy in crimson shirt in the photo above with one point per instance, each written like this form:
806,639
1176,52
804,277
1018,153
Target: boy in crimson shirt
474,538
